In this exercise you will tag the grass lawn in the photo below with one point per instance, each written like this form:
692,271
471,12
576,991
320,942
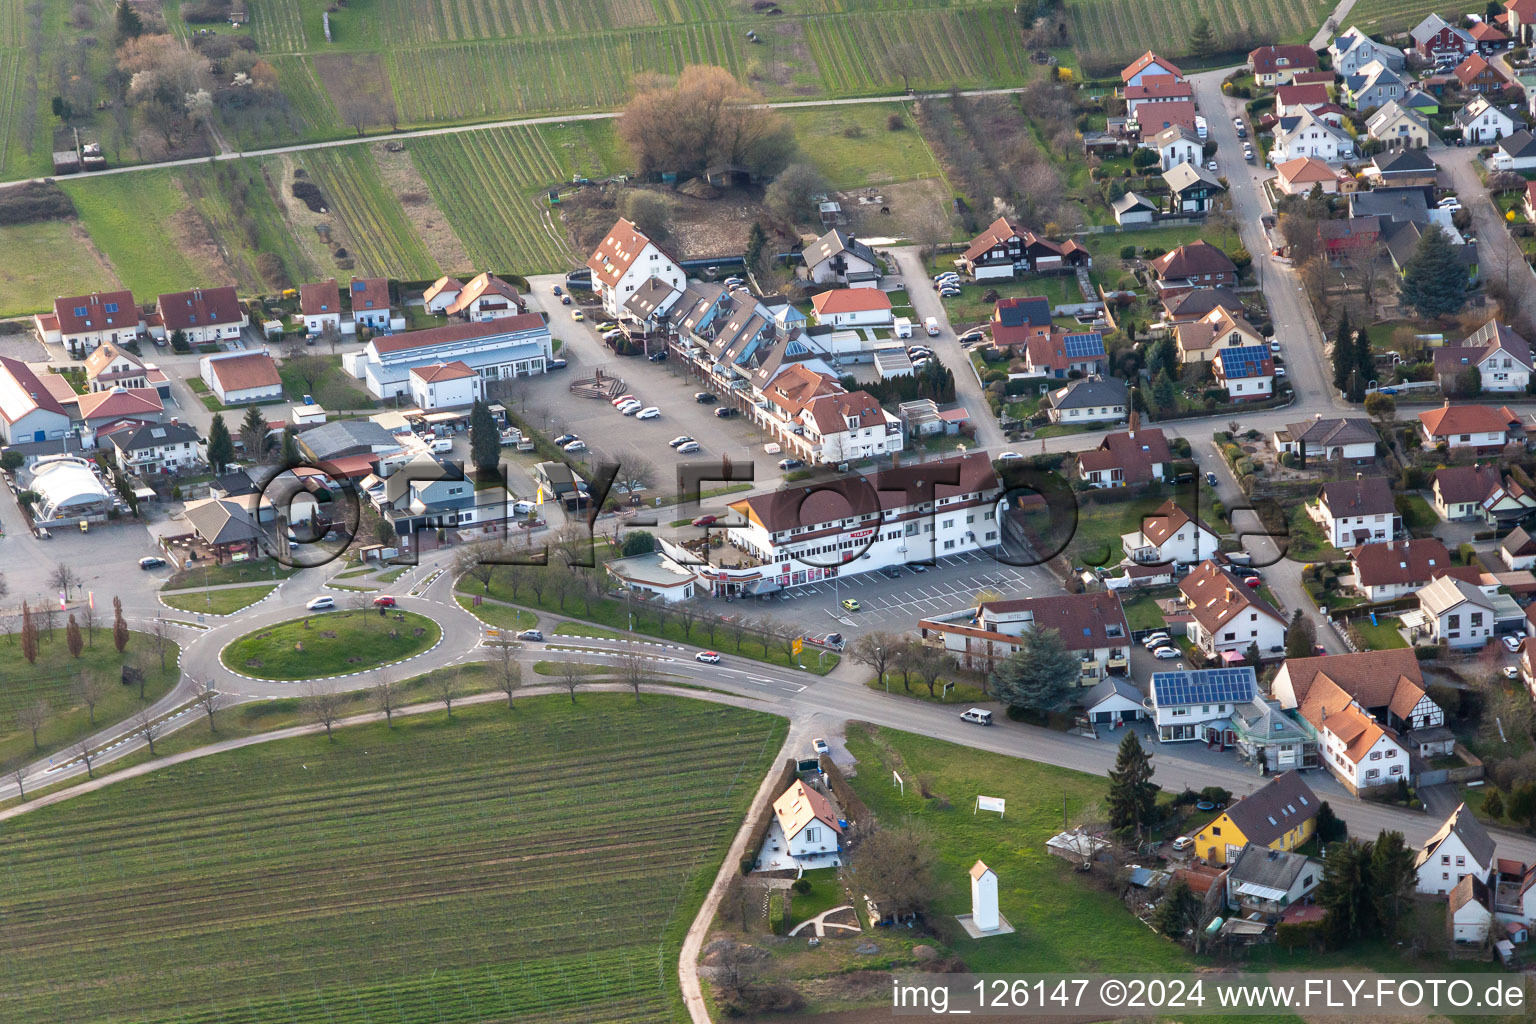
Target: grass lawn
53,679
1307,543
414,873
968,308
582,629
555,668
59,261
498,615
1418,515
332,389
219,602
826,892
960,693
1381,637
361,642
209,575
852,146
1142,612
1096,541
130,216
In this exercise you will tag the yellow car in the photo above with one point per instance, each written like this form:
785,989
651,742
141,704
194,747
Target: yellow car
850,604
578,315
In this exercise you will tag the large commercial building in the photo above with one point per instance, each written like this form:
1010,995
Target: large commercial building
506,347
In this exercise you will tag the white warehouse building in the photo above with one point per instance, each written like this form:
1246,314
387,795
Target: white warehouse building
68,490
514,346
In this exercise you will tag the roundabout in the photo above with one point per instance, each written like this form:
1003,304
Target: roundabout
330,644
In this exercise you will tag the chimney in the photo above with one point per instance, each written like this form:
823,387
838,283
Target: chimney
1359,475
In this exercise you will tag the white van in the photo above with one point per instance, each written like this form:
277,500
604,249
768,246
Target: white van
976,715
1201,129
439,445
931,325
903,327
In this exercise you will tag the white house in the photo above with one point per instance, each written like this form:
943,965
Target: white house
157,448
1468,915
1190,704
1346,439
1247,372
486,297
370,302
203,315
1134,208
1265,881
1502,358
1090,400
29,411
441,294
1387,684
853,307
1176,145
1459,849
1168,534
1310,135
1229,617
1479,492
1113,700
445,386
837,257
110,366
812,833
1361,753
1385,571
1356,511
840,427
1518,550
82,322
1146,66
625,260
1457,613
320,307
1481,121
237,377
507,347
1353,50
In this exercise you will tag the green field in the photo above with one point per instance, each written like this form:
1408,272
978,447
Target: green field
361,642
382,237
852,146
540,864
236,200
933,49
218,602
56,263
335,390
129,217
1401,15
54,677
1103,29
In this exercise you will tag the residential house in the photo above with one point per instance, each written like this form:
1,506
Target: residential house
441,294
1183,307
1270,738
1091,625
157,448
203,315
1389,685
1191,266
1339,439
29,411
1146,66
1353,50
1385,571
853,307
1515,153
320,307
425,495
239,377
1090,400
1159,117
1460,848
1126,459
1274,65
1247,372
1401,130
1310,134
1518,550
1479,492
99,411
1293,99
1402,239
1113,701
497,349
221,529
1262,883
1356,511
1361,753
648,312
1154,89
1229,617
837,257
1521,21
370,302
1435,36
488,297
449,385
1195,704
1477,75
1004,249
1374,85
1480,121
1060,353
1490,39
1421,102
811,830
1177,145
1397,203
1018,320
1277,817
1134,208
1168,535
81,322
109,366
1468,917
1468,426
1193,188
1457,613
624,261
839,427
1300,176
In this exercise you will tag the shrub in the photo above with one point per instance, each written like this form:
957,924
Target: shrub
895,123
34,201
1127,252
802,886
1426,653
1215,794
995,377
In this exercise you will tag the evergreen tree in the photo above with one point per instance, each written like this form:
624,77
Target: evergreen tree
129,24
1202,41
1343,352
253,434
1179,912
1365,361
484,438
757,241
1040,676
1469,382
1300,636
1163,357
1132,794
1346,892
221,447
1434,280
1393,877
1493,805
119,627
1330,827
1162,391
290,452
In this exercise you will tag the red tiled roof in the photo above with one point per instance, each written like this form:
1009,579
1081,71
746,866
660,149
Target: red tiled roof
120,402
28,382
95,315
1192,259
200,307
1466,419
1306,95
320,297
832,412
1133,453
1140,63
1156,87
456,370
1458,485
451,285
1411,561
1266,59
484,286
369,293
616,253
244,372
850,300
1214,597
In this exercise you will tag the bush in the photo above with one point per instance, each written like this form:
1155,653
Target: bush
802,886
895,123
34,201
1127,252
1426,653
1215,794
995,377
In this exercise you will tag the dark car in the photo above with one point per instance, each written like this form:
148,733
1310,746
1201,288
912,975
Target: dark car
559,290
725,412
151,562
658,357
1210,478
704,398
791,463
555,364
565,300
565,439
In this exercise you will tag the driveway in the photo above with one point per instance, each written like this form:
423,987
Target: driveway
1498,252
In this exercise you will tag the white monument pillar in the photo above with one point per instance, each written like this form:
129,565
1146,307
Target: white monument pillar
984,897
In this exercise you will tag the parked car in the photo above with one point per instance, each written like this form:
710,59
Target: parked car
706,521
679,441
658,357
1164,653
1279,371
725,412
650,412
1511,644
564,439
607,325
631,407
931,325
384,601
1182,843
791,463
971,338
576,446
732,282
704,398
151,562
946,276
850,604
976,716
1211,166
1155,640
1450,203
324,601
531,634
1210,478
691,448
1009,456
522,508
708,657
820,746
949,293
622,399
555,364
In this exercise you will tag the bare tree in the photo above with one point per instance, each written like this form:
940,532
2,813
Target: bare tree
87,755
875,650
472,562
931,665
32,718
445,687
509,673
895,865
63,579
687,615
90,688
309,369
159,642
633,666
905,661
210,700
150,727
322,703
384,695
737,629
19,776
570,678
87,616
702,118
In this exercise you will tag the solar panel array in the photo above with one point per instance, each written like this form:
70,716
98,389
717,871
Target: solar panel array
1244,361
1204,686
1079,345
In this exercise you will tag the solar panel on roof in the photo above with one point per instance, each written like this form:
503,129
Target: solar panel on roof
1084,345
1204,686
